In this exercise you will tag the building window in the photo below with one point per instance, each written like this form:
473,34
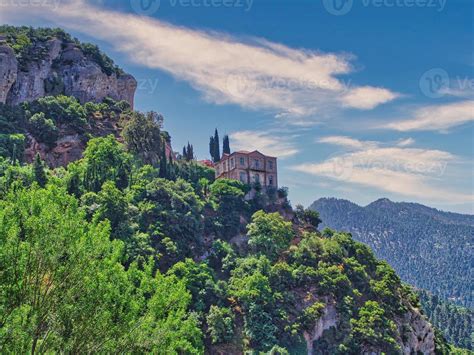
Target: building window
270,180
257,164
256,178
242,161
243,177
270,165
217,169
232,163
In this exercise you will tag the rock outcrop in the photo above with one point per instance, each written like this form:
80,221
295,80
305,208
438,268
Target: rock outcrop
327,320
8,70
60,68
420,339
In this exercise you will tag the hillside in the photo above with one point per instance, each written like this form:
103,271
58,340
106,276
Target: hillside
121,248
430,249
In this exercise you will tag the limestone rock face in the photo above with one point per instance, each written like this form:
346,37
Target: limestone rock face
8,70
420,339
63,68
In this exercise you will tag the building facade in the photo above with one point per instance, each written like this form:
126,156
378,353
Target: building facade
248,167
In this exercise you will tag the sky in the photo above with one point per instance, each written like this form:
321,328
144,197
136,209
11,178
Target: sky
358,99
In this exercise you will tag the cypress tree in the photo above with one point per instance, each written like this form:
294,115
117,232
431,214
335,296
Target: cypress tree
226,145
217,150
185,153
38,170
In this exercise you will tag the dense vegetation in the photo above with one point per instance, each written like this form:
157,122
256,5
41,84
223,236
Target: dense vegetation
126,250
456,323
430,249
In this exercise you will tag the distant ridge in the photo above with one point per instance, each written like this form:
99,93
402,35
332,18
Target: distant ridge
429,248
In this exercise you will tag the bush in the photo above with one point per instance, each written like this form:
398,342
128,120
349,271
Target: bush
43,129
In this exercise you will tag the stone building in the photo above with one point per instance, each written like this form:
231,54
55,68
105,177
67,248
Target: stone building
248,167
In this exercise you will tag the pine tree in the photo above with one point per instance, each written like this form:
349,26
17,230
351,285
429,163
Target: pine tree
217,151
38,170
226,145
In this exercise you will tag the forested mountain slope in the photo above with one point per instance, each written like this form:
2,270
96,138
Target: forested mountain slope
430,249
456,323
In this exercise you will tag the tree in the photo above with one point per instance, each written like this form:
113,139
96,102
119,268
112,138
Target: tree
188,152
142,136
63,287
307,216
226,145
269,234
43,129
220,324
105,159
372,329
217,151
38,171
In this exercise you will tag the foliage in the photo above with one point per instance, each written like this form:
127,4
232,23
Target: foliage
226,145
105,159
220,324
429,249
373,329
269,234
38,171
59,109
43,129
307,216
63,288
455,322
142,136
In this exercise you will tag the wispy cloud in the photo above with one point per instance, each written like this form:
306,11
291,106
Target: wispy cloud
347,142
265,143
255,74
436,117
405,142
409,172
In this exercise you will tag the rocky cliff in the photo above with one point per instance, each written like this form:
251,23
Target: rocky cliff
35,64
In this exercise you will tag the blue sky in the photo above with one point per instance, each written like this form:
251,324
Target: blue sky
358,99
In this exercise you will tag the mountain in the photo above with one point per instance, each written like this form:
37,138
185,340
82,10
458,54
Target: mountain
109,244
430,249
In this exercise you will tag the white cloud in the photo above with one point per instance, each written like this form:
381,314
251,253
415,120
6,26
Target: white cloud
256,74
409,172
436,118
366,97
405,142
347,142
265,143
